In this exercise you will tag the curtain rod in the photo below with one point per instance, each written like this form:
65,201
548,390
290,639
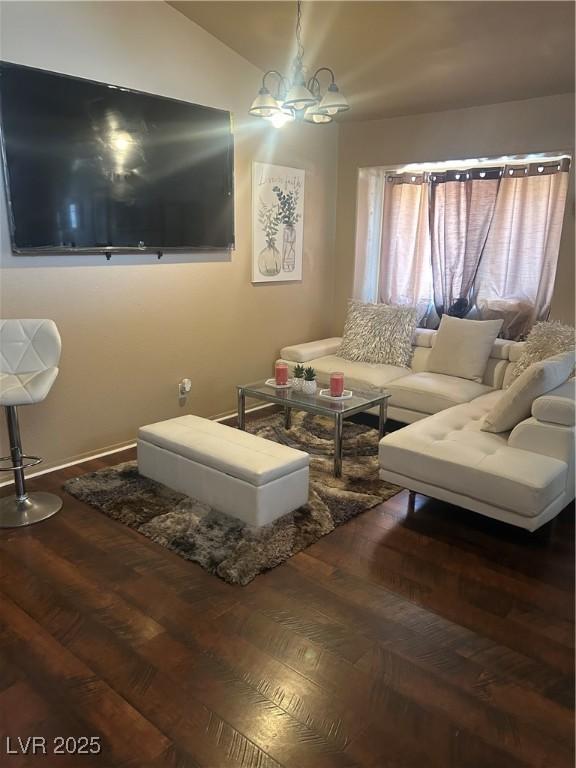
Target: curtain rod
506,170
470,163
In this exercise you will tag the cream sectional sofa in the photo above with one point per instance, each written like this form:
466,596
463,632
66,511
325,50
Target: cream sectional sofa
415,392
524,477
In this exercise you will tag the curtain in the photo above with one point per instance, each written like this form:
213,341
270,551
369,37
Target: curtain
369,206
480,242
393,240
516,276
461,209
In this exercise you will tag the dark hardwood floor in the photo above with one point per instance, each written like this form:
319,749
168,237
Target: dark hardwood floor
423,640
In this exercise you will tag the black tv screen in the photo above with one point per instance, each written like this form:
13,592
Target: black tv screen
94,167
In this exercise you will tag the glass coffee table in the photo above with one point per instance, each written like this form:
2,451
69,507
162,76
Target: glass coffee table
336,409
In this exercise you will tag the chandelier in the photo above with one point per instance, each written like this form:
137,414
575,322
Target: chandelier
296,98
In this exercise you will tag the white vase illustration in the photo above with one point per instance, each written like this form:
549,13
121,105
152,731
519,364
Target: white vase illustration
289,248
269,262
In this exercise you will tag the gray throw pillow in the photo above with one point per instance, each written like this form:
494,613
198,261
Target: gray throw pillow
378,333
544,340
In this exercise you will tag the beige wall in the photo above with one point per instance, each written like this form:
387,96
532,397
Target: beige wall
535,125
132,327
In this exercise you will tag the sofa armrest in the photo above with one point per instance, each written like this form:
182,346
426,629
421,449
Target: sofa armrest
302,353
544,438
557,406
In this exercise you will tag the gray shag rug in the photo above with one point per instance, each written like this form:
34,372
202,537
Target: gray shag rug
225,546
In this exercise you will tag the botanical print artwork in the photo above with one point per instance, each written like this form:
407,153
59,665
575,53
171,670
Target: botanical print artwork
277,222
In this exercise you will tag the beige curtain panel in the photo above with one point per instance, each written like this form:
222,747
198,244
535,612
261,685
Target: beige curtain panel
393,240
516,275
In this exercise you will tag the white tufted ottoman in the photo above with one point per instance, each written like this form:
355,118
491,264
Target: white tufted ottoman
243,475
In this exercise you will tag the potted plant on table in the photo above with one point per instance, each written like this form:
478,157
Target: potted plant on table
298,378
309,383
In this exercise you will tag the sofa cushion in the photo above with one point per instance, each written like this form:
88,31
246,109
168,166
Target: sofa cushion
495,372
449,450
364,376
544,340
501,349
462,347
423,337
516,351
432,392
378,333
557,406
516,401
247,457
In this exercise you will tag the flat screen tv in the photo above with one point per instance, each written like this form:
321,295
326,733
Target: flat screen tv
90,167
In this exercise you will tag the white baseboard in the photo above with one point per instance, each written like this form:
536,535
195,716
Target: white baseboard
248,410
73,463
115,449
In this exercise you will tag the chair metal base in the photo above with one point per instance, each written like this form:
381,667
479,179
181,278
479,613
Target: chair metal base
38,506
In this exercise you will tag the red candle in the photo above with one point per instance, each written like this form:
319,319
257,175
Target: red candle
281,373
336,384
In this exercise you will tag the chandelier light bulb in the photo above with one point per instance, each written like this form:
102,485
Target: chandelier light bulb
279,119
333,101
313,115
299,97
264,105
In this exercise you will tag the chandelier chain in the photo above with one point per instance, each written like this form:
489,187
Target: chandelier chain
300,54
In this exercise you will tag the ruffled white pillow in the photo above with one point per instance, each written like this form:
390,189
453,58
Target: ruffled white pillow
544,340
378,333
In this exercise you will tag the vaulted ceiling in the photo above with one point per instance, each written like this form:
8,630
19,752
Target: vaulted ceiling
398,58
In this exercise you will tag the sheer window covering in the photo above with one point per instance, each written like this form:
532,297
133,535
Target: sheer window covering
461,210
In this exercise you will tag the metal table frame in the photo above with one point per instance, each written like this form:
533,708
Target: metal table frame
319,406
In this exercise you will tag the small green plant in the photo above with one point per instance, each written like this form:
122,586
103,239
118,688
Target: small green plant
309,374
299,372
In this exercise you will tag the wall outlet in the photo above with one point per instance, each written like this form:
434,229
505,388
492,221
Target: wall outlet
184,387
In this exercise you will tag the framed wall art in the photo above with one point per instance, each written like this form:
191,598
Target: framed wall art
277,223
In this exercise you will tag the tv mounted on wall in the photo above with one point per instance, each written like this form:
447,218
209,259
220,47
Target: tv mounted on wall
95,168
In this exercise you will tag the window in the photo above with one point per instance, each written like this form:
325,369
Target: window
471,239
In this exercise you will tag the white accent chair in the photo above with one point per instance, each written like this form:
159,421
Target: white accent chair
29,356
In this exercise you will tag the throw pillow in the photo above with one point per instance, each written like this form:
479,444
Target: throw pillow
544,340
462,347
515,404
378,333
